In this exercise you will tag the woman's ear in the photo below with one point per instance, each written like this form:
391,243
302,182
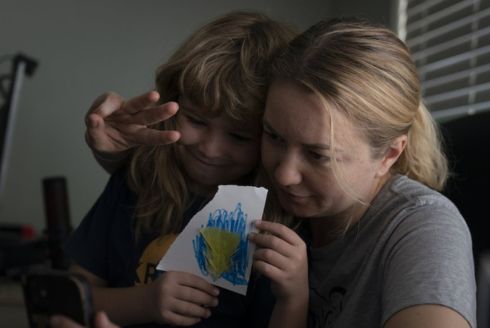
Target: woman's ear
392,153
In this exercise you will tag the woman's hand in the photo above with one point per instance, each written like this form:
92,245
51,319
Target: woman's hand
281,256
180,298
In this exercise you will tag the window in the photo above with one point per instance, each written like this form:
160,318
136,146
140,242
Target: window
450,43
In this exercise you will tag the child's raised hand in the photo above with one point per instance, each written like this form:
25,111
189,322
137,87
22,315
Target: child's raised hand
180,298
281,256
115,125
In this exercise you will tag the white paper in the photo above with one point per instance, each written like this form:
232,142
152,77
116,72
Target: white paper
231,212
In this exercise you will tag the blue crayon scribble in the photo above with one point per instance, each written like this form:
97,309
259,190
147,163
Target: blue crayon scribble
233,221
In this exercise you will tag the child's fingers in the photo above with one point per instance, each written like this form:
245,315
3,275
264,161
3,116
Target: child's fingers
107,104
147,136
139,103
149,116
190,309
193,281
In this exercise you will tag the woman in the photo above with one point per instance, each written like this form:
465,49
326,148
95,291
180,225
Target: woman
351,151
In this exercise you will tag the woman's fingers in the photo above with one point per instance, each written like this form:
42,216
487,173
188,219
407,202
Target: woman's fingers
281,256
272,249
273,258
279,230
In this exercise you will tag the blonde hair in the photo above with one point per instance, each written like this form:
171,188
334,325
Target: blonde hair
223,69
366,72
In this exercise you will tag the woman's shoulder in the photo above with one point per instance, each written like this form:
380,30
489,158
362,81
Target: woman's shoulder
410,195
407,205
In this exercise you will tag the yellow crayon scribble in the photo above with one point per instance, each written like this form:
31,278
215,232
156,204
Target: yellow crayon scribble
221,245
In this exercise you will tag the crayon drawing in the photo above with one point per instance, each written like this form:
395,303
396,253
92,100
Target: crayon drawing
214,244
221,246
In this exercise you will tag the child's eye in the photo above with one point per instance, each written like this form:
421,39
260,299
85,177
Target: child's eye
240,137
195,120
272,136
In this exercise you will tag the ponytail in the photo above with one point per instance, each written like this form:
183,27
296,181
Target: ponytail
423,158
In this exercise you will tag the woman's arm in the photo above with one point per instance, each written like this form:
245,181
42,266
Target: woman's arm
281,256
433,316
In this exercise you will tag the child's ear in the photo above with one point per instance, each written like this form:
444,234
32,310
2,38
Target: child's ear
392,153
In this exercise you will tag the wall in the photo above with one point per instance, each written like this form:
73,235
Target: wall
379,11
85,48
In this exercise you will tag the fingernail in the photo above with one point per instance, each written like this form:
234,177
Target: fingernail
216,291
215,302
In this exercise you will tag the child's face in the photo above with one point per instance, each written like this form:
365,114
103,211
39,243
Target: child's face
215,150
296,153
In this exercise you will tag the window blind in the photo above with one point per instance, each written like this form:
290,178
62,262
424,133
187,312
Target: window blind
450,43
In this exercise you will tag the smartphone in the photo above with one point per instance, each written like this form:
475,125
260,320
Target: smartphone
57,292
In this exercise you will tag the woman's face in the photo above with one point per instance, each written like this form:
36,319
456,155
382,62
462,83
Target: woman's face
215,150
297,152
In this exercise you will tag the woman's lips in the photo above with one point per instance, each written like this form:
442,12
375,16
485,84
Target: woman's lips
295,197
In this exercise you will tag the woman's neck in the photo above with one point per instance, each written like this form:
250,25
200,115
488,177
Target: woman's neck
328,229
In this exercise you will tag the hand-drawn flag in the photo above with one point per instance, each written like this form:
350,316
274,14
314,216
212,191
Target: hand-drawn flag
214,243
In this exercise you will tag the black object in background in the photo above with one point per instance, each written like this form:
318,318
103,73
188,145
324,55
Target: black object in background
52,292
58,226
21,66
467,141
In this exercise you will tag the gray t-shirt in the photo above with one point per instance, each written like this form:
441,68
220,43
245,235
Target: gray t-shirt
411,247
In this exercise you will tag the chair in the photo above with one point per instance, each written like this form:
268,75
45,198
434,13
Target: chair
467,145
468,149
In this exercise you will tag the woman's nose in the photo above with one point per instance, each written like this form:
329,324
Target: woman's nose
288,170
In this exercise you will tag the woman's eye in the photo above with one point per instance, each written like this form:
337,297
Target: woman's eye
319,157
